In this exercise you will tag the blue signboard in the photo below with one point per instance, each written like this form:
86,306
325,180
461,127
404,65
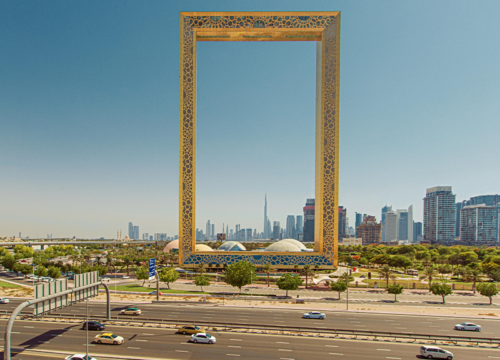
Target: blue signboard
151,269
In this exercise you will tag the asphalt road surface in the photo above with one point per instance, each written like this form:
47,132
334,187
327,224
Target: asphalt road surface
416,324
147,343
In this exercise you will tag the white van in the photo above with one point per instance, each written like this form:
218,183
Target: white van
434,352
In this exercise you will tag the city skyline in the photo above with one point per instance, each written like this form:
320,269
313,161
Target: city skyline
89,110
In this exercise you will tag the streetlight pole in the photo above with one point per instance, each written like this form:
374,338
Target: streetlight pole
347,281
87,330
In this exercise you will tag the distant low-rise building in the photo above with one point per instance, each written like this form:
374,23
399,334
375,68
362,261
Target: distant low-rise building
351,241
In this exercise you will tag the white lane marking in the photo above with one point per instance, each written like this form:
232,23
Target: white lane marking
181,351
234,346
40,341
233,355
388,357
335,354
32,327
284,350
401,328
15,332
331,345
147,334
286,359
281,342
236,339
384,349
494,357
130,347
141,340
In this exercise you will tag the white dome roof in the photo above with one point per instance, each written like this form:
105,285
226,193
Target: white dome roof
202,247
232,246
295,242
283,246
173,245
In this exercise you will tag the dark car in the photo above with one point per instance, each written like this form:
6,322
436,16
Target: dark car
93,325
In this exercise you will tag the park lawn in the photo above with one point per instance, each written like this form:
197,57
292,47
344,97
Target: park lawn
134,287
8,285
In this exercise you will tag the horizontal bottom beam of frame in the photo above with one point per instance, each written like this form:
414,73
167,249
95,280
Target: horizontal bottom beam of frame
281,259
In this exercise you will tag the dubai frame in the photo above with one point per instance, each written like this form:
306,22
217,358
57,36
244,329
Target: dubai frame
322,27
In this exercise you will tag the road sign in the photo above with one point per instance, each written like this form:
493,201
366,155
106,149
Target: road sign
151,269
83,280
47,289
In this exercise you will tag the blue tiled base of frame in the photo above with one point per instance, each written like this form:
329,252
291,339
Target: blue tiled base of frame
274,260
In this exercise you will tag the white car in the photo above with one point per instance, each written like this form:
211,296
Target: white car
434,352
105,279
125,277
314,315
109,338
4,300
468,326
130,311
79,357
203,338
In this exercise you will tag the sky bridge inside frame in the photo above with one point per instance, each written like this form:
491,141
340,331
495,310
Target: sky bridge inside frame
322,27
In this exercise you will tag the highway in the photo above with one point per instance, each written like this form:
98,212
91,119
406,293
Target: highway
417,324
147,343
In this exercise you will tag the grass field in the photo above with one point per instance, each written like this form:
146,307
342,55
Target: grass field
8,285
135,287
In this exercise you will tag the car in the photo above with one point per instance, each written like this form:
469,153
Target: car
71,277
4,301
314,315
45,279
79,357
362,277
190,329
434,352
105,279
203,338
125,277
130,311
468,326
93,325
154,293
109,338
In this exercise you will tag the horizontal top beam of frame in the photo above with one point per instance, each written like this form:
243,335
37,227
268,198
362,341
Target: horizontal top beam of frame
258,35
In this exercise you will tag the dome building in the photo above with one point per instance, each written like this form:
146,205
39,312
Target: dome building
201,247
285,246
173,245
232,246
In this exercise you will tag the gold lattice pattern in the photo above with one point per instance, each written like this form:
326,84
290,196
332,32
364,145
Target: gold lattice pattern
283,25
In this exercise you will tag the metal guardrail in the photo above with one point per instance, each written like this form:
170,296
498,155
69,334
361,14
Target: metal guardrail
299,329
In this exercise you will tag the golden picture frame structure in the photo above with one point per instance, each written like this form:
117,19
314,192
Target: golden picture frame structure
322,27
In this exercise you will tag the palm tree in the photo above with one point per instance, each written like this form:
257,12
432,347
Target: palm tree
201,268
127,261
296,267
267,268
385,272
474,277
429,273
307,271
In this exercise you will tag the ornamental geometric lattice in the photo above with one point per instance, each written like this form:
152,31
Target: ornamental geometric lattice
322,27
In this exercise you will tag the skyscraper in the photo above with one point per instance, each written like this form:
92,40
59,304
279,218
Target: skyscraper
402,225
391,226
370,231
439,214
290,227
208,230
342,222
136,232
479,223
417,231
212,233
309,220
385,209
410,223
131,230
359,220
276,230
299,224
267,223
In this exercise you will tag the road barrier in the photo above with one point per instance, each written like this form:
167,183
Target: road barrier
376,335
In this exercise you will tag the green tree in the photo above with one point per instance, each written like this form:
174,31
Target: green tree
307,272
385,273
54,272
429,274
142,274
168,275
442,290
382,259
201,280
289,282
395,289
494,275
17,268
26,269
487,289
444,269
127,261
41,271
240,274
267,268
400,261
339,286
8,262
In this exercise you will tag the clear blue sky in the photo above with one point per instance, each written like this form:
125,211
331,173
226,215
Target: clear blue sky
89,97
